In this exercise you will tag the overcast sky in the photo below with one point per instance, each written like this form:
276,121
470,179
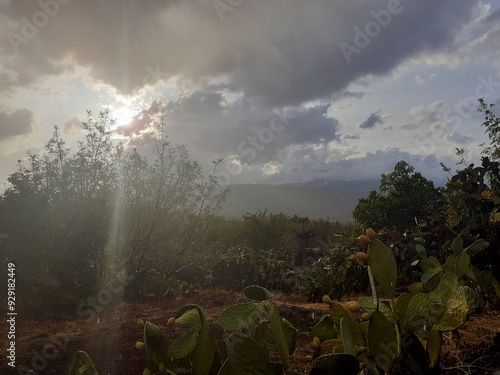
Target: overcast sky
282,90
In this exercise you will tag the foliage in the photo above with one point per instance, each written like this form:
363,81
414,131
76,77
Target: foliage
492,125
240,266
252,321
391,333
403,196
57,214
73,217
337,274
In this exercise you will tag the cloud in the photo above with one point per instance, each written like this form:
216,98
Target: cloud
242,129
122,43
15,123
458,138
373,120
304,163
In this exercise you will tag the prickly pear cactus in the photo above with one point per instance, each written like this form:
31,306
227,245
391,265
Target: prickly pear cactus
252,319
382,340
257,293
241,315
247,357
383,266
156,344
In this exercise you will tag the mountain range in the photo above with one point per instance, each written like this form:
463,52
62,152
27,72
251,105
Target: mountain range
333,199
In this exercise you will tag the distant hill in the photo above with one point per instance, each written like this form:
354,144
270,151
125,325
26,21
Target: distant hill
335,199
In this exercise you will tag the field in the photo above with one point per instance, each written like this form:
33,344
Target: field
46,346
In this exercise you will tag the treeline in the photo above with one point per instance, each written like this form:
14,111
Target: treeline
72,218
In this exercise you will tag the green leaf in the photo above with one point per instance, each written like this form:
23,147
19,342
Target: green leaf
417,313
383,266
183,346
352,337
445,290
457,245
434,346
421,251
402,306
337,312
416,288
324,329
429,274
156,343
279,332
81,364
204,353
257,293
247,357
462,264
241,315
382,340
477,247
189,316
456,312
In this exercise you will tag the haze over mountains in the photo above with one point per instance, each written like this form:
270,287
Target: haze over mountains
333,199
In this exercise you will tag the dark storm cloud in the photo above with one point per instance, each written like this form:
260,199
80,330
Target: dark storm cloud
15,123
280,63
243,129
373,120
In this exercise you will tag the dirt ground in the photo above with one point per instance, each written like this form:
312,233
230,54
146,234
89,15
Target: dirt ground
45,347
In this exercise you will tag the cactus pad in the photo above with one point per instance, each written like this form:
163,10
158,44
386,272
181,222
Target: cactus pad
383,265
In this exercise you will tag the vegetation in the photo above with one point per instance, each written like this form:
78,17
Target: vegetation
404,195
430,267
72,218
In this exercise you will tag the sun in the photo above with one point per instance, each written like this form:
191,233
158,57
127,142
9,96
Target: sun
123,115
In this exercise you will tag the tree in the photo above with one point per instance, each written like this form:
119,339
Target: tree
163,210
403,196
72,216
56,212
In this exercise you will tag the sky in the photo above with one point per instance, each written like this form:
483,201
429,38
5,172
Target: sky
284,91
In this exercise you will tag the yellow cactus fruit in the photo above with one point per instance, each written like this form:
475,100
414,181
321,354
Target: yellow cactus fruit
353,306
361,256
486,194
139,345
140,323
365,316
146,371
327,299
309,358
365,240
371,233
171,322
315,345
